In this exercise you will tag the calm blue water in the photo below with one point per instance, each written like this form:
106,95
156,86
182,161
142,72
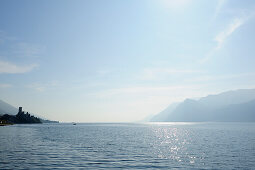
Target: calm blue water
129,146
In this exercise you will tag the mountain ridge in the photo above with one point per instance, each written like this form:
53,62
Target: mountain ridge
216,107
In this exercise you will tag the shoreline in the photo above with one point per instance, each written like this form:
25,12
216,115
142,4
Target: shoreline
6,124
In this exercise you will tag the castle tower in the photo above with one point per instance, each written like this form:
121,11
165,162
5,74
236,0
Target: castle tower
20,109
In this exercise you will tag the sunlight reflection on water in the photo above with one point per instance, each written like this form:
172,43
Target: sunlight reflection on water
172,143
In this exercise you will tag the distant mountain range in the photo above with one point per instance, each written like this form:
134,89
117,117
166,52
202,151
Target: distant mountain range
230,106
6,108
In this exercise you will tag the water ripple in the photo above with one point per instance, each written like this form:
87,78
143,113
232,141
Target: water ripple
129,146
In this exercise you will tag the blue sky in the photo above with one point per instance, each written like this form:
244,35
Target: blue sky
94,61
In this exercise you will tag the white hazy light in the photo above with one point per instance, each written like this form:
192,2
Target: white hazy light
175,4
220,38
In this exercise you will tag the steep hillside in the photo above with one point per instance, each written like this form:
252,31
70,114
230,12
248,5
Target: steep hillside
6,108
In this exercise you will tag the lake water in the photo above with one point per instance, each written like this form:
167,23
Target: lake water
128,146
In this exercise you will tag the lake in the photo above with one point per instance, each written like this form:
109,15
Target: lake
128,146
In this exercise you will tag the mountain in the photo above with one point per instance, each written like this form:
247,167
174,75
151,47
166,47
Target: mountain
238,105
164,114
228,98
6,108
241,112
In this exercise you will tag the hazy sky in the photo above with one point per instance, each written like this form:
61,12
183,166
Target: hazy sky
98,60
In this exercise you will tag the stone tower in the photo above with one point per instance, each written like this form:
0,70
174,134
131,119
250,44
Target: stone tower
20,109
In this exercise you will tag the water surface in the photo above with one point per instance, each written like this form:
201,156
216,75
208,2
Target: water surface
128,145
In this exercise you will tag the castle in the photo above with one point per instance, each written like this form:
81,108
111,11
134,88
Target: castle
20,110
21,118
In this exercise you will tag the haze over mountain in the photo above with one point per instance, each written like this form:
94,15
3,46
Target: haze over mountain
165,113
92,61
6,108
238,105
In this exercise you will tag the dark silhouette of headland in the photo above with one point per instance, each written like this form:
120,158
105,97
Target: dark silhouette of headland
19,118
